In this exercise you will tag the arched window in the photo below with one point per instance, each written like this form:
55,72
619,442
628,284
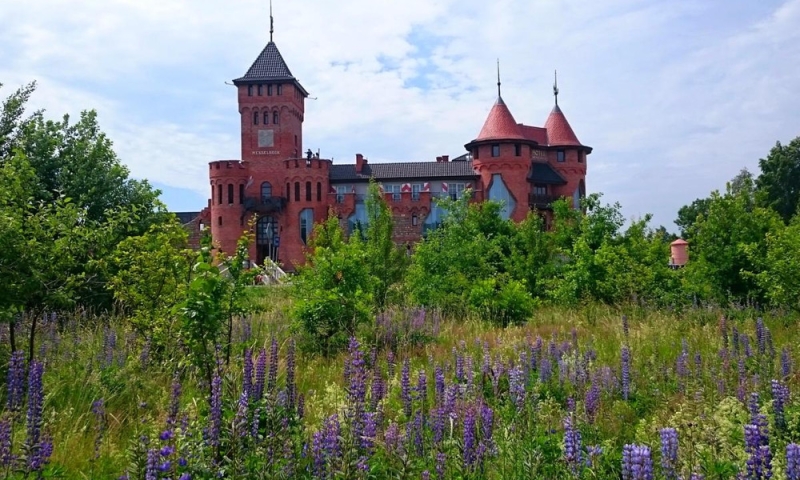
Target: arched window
319,191
266,191
498,192
219,194
241,194
230,194
275,117
296,191
308,191
266,118
306,223
255,118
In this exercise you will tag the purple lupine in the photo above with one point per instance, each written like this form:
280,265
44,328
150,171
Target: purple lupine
240,420
486,364
301,406
6,456
669,453
752,406
469,443
215,415
735,340
422,386
745,341
545,370
487,426
441,465
247,373
438,379
272,379
516,387
33,440
318,454
425,475
99,411
572,445
291,386
697,476
174,401
780,397
438,418
370,431
417,428
109,345
405,388
761,336
357,373
786,363
16,381
592,402
759,464
626,372
792,461
459,365
331,444
450,397
378,389
151,468
392,438
637,464
261,372
592,452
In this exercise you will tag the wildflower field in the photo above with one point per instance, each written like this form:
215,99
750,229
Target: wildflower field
592,392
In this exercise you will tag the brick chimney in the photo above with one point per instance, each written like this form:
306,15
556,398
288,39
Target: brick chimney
360,162
443,159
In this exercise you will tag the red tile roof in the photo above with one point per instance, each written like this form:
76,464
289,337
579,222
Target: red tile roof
500,124
559,133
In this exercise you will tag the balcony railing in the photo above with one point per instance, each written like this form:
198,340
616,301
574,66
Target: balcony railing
264,204
537,200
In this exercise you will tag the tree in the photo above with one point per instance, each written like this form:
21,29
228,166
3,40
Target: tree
687,216
778,186
385,261
780,276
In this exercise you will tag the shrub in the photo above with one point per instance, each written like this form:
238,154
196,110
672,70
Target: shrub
501,300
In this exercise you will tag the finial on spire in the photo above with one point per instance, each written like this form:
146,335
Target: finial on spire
498,78
555,86
271,25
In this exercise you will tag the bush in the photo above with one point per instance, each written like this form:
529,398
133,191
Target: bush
501,300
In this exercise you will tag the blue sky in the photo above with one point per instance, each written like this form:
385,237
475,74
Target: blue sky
675,97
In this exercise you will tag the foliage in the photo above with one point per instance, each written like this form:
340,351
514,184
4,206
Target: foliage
778,186
501,299
779,275
332,291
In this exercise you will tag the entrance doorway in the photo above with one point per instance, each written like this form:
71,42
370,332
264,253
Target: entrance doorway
267,239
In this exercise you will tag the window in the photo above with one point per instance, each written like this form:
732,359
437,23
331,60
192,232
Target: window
341,190
219,194
540,190
295,140
275,117
241,194
249,90
266,118
319,191
561,156
280,89
288,194
266,191
308,191
414,220
306,223
259,89
296,191
580,157
495,150
498,192
255,118
415,189
219,220
455,190
266,231
269,90
477,153
518,150
230,194
394,190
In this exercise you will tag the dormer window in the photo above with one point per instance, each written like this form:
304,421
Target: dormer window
269,90
518,150
495,150
561,156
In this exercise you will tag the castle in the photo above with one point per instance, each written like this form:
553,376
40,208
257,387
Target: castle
285,190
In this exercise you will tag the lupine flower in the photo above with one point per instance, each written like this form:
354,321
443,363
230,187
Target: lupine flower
792,461
405,388
333,449
459,365
16,381
422,386
438,379
291,387
441,463
215,415
33,441
370,422
786,363
626,372
592,402
247,373
469,455
592,452
318,453
761,336
735,339
697,476
417,427
516,387
241,421
745,341
151,469
98,409
759,464
780,397
625,325
261,370
6,456
378,389
174,401
572,445
545,370
272,380
637,463
669,453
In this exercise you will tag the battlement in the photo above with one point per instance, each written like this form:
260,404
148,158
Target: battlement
225,164
308,163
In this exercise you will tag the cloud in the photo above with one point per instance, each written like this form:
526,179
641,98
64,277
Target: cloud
674,97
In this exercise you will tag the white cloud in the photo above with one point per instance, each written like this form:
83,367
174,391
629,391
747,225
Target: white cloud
675,97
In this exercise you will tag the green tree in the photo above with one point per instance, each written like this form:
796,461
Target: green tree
687,216
778,186
385,261
779,277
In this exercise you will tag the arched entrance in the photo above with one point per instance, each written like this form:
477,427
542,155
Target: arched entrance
267,239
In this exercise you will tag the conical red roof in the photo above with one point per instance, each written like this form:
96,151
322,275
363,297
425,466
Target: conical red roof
500,124
559,133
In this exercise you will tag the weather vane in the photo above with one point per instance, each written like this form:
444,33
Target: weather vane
498,77
555,86
271,25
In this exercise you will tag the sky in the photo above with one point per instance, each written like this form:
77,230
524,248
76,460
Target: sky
675,97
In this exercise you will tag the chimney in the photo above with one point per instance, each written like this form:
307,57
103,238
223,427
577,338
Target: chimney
438,159
360,162
445,158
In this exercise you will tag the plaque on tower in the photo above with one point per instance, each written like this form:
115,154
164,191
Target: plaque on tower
266,138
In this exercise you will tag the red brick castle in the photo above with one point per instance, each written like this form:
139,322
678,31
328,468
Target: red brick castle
285,190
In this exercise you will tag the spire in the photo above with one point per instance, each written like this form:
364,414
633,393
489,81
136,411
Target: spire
271,22
498,78
555,86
